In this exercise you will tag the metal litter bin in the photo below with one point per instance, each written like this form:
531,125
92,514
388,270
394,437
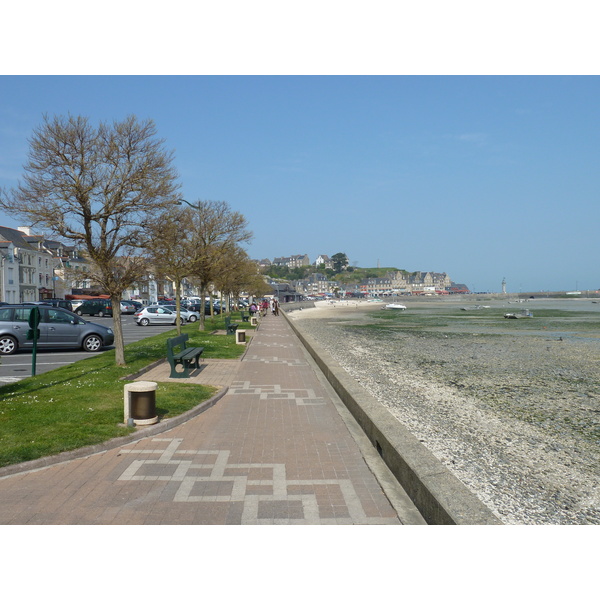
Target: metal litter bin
143,404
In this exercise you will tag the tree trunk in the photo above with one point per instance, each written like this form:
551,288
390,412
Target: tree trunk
118,330
178,304
202,325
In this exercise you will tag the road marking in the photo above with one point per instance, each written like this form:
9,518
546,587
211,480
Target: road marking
37,362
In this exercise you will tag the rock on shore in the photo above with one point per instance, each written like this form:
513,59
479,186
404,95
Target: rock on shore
514,417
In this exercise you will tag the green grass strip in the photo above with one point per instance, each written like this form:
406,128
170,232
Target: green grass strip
82,404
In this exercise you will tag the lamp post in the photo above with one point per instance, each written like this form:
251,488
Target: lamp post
2,289
196,206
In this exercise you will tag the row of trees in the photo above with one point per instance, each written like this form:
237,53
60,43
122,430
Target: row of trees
112,191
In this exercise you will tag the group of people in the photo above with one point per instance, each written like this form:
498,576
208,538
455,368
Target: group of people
264,306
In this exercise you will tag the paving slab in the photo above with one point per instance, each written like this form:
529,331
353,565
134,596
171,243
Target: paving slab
276,449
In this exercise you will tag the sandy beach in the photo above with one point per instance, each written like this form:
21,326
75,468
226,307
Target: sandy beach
511,407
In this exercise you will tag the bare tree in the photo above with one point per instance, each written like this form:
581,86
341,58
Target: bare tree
171,247
218,231
238,273
97,187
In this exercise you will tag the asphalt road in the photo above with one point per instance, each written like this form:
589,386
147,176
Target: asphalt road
17,366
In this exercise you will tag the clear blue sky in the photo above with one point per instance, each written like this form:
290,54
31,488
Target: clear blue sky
482,177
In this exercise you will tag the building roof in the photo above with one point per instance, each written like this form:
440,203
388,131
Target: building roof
15,236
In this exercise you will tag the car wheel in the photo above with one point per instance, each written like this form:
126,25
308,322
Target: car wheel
179,321
192,319
101,314
92,343
144,322
8,345
78,312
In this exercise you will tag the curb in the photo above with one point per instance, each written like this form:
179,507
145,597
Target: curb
438,494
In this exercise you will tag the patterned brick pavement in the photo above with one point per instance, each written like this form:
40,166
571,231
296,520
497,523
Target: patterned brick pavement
273,450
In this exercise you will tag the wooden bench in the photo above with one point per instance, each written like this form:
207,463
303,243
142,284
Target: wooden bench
188,358
230,328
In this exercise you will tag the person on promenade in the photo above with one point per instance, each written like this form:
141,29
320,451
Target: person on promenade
252,310
264,307
275,307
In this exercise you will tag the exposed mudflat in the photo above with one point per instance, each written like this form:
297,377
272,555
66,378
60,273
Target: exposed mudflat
510,406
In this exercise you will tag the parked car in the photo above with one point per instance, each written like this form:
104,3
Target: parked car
100,307
76,303
59,328
127,307
189,315
197,308
59,302
138,305
156,315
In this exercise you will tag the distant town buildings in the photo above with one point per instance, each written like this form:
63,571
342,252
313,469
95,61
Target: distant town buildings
394,283
296,260
30,266
323,259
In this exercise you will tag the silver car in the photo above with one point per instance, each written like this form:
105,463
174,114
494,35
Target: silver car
127,308
59,328
191,316
156,315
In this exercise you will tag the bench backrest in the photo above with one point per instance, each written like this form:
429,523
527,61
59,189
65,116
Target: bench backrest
178,340
227,321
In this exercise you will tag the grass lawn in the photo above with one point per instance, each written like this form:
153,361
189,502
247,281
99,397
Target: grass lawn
82,404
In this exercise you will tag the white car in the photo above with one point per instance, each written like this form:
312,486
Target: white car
156,315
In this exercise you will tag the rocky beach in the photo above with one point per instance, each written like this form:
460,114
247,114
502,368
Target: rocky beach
510,406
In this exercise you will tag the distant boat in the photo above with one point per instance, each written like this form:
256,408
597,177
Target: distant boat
396,306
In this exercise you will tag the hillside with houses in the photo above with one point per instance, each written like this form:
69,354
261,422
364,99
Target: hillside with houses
328,276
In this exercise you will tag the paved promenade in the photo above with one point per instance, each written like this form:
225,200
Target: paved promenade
277,448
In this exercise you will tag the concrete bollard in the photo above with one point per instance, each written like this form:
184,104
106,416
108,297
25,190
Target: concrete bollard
139,403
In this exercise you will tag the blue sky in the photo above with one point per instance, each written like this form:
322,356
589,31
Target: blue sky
483,177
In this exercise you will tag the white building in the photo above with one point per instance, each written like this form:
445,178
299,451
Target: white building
9,273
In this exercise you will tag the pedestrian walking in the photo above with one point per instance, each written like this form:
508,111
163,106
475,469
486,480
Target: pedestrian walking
253,308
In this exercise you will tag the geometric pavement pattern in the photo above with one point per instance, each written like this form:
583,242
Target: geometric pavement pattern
266,494
301,397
